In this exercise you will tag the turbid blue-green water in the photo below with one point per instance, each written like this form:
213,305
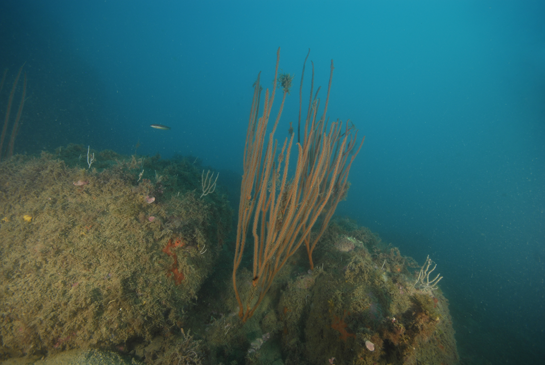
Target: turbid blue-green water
449,95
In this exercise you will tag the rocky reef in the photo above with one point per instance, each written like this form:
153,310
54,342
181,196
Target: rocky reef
128,259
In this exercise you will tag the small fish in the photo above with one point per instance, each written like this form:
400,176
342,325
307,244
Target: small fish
160,126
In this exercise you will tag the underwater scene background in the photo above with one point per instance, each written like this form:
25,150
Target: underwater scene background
449,96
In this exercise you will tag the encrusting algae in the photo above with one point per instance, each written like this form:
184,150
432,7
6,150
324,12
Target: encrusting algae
101,267
92,269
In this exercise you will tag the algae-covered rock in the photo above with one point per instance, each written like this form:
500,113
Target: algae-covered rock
107,257
364,308
358,306
115,258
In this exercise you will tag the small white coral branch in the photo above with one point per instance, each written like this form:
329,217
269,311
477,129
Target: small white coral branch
208,186
90,158
423,281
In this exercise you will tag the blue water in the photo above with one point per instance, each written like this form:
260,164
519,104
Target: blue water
450,96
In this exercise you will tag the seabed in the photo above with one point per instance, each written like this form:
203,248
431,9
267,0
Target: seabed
127,262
